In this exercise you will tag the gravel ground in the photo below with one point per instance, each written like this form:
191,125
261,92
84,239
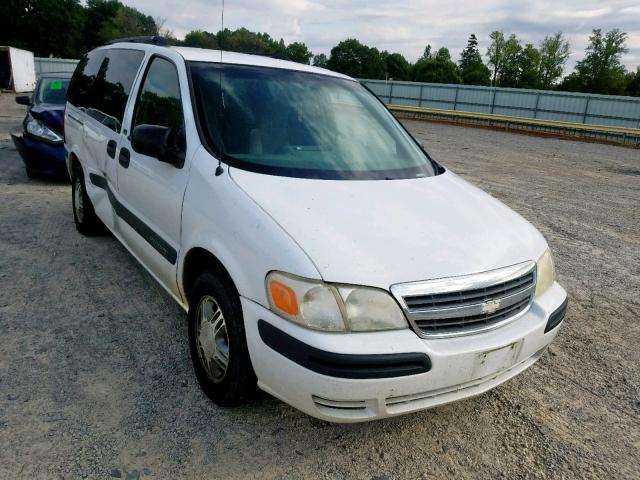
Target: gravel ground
11,114
96,381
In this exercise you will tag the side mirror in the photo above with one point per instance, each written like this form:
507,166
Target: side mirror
158,142
23,100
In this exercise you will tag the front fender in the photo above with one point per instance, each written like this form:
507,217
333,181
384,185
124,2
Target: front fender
221,218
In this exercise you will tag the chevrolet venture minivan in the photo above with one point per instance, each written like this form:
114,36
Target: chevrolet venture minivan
320,253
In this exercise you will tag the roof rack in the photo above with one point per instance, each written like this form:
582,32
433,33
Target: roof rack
152,39
275,55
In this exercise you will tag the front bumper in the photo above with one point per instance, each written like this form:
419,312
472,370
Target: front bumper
459,367
41,157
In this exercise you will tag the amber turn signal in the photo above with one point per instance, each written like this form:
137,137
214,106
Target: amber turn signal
283,297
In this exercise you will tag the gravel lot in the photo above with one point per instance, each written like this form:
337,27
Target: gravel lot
96,381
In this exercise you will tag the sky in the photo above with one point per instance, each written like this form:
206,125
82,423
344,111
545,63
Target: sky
407,26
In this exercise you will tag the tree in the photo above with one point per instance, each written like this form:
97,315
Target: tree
397,67
438,68
554,52
69,28
46,27
298,52
633,83
571,83
166,32
601,71
510,66
495,54
513,66
529,67
98,12
128,22
356,60
320,60
471,52
245,41
201,39
472,70
427,53
443,55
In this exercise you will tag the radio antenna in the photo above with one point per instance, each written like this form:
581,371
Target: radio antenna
222,29
219,169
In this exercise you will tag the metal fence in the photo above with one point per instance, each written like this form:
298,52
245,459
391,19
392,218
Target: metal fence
539,104
54,65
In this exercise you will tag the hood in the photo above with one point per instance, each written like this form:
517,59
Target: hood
379,233
52,115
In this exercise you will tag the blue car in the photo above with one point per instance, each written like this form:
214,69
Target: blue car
41,143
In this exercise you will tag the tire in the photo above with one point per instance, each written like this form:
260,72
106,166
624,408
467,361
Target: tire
212,342
30,173
84,216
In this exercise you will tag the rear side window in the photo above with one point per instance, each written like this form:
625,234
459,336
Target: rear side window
80,90
104,84
159,102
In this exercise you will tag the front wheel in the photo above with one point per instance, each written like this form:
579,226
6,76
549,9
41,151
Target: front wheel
218,343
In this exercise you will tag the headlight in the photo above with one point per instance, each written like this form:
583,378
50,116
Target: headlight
545,273
370,309
39,130
335,308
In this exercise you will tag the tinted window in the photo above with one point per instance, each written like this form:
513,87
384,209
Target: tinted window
299,124
113,84
82,81
159,102
105,84
52,91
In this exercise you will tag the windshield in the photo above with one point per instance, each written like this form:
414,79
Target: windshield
299,124
53,91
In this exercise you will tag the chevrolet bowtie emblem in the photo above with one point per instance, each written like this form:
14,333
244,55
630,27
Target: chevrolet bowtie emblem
491,306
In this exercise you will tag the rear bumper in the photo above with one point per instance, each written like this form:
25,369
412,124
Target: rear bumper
456,368
43,158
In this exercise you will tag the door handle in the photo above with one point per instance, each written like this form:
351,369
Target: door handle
111,148
124,157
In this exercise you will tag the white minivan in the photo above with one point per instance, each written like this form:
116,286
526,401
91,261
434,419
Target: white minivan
319,251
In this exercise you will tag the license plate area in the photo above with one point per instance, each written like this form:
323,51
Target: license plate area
496,360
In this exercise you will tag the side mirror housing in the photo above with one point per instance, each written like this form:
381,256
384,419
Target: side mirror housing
158,142
23,100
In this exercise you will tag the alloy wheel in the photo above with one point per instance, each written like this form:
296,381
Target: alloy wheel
212,340
78,199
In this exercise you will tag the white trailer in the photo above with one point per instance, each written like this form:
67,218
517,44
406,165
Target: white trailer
17,70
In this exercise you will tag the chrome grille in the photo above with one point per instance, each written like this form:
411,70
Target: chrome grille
467,304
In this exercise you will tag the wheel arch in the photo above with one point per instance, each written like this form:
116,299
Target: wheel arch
197,261
72,162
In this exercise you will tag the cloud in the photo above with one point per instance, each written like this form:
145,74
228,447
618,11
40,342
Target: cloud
406,26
